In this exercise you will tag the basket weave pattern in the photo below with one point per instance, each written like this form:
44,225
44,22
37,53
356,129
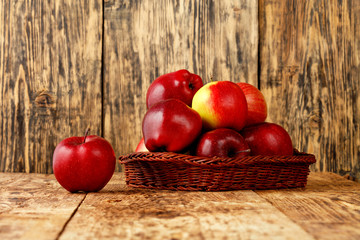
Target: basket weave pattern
172,171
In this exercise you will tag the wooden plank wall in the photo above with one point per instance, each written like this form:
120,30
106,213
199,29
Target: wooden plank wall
310,75
66,65
50,78
145,39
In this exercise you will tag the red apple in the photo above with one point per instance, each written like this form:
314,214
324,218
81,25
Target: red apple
84,163
222,142
221,104
141,146
257,109
181,85
268,139
171,126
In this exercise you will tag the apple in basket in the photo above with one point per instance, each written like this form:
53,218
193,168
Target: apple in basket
257,109
222,142
180,85
141,146
84,163
221,104
171,126
268,139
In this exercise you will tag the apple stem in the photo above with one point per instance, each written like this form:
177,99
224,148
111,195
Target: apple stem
86,133
191,86
211,78
243,151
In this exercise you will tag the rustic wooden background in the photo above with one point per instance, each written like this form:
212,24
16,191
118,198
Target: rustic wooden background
66,65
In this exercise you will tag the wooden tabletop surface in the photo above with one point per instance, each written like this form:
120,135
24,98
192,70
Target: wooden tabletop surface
34,206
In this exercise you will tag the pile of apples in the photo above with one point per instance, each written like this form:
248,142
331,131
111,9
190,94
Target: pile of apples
222,119
218,119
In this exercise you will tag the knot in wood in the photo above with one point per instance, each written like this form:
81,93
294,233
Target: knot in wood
45,100
315,119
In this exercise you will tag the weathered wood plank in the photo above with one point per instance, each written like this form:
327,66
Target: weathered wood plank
329,208
34,206
310,71
127,213
50,78
145,39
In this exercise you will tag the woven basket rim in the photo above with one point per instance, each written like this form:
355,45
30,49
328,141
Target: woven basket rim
296,158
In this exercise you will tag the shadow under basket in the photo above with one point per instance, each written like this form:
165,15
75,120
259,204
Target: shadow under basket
172,171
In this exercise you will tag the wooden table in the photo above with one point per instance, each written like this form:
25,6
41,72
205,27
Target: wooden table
34,206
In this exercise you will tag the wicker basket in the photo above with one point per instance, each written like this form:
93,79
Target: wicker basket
164,170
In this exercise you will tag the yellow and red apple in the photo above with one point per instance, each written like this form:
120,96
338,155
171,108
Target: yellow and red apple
141,146
221,104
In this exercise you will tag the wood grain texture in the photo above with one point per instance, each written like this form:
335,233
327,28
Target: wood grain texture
34,206
310,76
145,39
327,209
120,212
53,84
50,78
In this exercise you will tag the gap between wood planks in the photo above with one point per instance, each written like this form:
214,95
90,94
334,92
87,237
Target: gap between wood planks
258,52
102,127
71,217
283,212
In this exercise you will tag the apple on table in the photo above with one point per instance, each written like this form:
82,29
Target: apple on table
84,163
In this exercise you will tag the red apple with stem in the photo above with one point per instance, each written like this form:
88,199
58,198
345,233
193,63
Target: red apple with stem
222,142
257,108
171,126
84,163
221,104
181,85
268,139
